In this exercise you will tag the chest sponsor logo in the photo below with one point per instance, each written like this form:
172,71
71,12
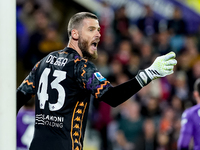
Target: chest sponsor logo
48,120
99,76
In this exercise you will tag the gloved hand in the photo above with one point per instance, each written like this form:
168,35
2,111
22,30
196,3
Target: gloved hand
161,67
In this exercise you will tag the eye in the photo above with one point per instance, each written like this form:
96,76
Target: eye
91,29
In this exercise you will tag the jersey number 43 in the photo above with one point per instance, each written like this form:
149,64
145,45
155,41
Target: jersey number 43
42,94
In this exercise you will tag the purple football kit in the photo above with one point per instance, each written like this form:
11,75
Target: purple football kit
190,127
25,128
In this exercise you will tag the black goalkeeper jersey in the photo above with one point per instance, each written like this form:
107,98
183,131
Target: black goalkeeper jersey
62,83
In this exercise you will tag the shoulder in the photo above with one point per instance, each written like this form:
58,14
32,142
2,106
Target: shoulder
21,113
189,117
84,63
186,113
191,111
195,110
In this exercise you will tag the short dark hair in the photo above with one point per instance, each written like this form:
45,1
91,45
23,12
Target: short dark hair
197,85
77,19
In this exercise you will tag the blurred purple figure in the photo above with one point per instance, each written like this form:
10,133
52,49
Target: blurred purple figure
190,123
25,125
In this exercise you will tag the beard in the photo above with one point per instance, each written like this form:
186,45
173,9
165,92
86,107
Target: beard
84,47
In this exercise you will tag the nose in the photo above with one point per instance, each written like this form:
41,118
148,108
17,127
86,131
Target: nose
98,34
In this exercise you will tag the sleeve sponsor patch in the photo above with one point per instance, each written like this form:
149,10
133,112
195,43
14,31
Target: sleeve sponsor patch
99,76
199,112
184,121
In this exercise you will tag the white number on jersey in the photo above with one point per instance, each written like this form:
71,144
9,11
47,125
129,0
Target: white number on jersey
28,134
42,89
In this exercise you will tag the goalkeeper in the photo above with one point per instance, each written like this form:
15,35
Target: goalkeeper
64,80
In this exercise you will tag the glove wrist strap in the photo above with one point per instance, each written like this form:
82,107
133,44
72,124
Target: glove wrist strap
148,72
143,78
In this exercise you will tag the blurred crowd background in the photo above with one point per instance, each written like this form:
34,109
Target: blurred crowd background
151,119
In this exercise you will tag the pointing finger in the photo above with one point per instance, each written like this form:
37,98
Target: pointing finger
170,55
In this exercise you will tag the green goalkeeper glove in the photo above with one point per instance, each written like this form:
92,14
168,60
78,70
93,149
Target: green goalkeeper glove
161,67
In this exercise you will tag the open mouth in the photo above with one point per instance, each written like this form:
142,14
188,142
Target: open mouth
95,44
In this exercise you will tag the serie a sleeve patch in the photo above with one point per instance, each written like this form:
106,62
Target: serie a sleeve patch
99,76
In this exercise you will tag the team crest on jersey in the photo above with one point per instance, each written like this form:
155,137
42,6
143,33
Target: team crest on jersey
99,76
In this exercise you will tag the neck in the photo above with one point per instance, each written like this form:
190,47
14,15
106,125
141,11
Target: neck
74,45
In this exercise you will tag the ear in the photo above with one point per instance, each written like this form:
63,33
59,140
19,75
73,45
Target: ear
75,34
195,94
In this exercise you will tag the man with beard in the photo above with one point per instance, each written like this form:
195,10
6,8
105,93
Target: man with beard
64,80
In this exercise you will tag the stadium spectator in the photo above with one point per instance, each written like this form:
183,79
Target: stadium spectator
162,45
33,54
130,126
106,17
148,24
176,25
150,134
124,52
121,24
177,30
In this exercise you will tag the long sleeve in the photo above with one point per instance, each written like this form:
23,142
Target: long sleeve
186,131
90,79
27,89
119,94
22,99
